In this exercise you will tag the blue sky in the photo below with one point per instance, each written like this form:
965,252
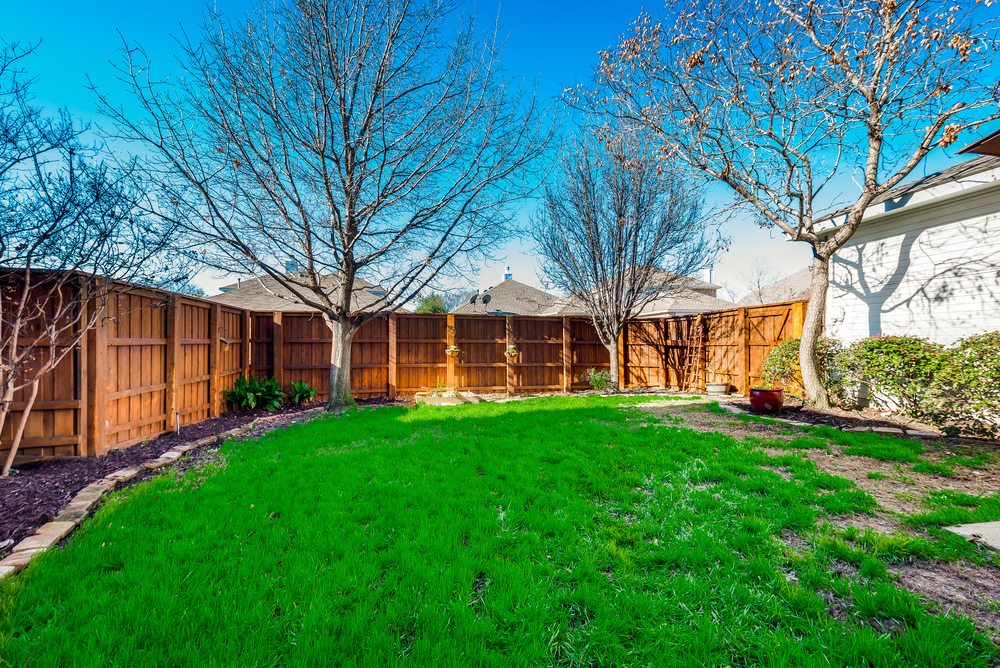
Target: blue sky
555,44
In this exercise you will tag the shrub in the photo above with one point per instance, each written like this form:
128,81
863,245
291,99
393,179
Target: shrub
782,366
898,369
967,396
599,380
253,393
301,393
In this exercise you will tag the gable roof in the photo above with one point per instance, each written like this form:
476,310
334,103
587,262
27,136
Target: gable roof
264,293
510,298
792,288
665,279
682,300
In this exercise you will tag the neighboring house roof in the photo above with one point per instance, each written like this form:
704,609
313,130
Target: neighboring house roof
510,298
791,288
667,280
988,145
954,180
264,293
680,301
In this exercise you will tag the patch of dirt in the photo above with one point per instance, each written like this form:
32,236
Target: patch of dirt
41,490
964,587
795,409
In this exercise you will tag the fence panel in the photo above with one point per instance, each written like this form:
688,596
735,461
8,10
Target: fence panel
538,365
421,362
481,365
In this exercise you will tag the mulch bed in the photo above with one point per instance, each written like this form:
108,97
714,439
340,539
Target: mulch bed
795,409
41,490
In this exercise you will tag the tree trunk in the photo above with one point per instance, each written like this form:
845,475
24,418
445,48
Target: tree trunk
615,369
340,365
16,443
811,328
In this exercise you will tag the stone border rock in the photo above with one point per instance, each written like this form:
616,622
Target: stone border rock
87,498
888,431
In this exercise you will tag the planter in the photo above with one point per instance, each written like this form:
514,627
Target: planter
451,353
511,358
766,401
717,389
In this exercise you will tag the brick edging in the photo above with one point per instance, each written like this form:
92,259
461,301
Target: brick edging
78,509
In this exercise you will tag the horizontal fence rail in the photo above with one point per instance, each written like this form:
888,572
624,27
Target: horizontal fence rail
158,359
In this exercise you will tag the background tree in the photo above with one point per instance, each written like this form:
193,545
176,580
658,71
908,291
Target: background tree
359,139
612,220
456,298
751,279
70,229
432,303
784,102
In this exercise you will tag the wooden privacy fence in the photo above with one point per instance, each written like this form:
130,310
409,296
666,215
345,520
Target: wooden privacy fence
158,358
155,359
405,353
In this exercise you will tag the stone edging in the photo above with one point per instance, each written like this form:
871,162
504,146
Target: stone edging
891,431
79,508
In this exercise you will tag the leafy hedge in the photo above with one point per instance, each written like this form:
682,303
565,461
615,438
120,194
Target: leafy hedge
956,387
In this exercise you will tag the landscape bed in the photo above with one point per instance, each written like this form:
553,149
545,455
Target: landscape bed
556,531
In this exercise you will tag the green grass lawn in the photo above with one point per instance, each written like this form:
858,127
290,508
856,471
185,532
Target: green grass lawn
564,531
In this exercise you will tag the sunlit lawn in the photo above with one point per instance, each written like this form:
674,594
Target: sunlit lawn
564,531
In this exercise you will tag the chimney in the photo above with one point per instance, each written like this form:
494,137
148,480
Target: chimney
508,275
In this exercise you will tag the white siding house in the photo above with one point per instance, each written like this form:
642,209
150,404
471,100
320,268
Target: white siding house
925,260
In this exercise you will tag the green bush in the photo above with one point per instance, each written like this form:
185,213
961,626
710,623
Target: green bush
957,388
900,370
599,380
967,397
782,366
301,393
253,393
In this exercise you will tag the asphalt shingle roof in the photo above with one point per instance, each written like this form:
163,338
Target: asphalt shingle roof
264,293
510,298
791,288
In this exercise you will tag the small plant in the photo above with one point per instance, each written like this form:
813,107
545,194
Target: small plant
451,351
782,366
252,393
600,380
511,351
301,393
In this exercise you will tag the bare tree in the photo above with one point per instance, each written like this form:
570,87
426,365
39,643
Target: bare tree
359,139
784,101
69,231
751,279
612,225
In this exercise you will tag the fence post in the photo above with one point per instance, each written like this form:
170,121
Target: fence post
623,358
278,349
171,359
509,327
393,324
449,378
81,373
97,386
214,350
745,351
567,355
247,322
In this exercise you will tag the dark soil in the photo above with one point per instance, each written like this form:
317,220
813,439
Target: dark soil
795,409
41,490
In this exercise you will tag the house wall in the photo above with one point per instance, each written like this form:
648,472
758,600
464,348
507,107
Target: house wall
932,270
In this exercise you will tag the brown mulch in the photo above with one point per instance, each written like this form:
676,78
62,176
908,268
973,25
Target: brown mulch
39,491
795,409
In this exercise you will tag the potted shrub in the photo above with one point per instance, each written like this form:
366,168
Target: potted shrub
510,353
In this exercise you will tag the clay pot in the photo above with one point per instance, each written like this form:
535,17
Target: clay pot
766,401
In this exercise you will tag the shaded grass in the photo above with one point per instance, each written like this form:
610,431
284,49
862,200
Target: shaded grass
551,532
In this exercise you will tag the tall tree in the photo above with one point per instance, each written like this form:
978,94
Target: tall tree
785,101
612,224
358,139
70,231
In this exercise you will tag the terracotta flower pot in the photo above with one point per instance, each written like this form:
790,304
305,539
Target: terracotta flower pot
766,401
